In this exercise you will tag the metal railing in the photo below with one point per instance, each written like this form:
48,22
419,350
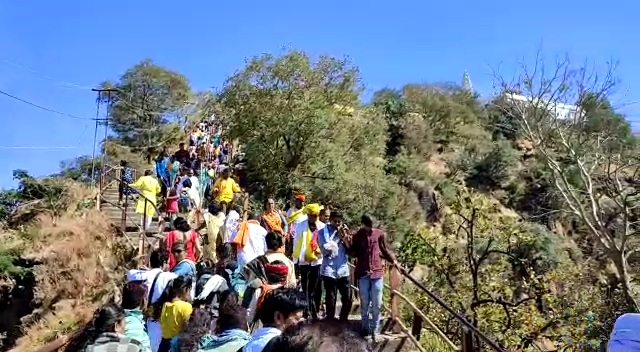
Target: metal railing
111,177
470,340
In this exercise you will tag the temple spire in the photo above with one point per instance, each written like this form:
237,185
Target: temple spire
466,82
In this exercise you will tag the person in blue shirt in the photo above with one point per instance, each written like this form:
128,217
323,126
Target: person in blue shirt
185,268
335,268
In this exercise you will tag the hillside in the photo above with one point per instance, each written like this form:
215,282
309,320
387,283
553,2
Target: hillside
521,221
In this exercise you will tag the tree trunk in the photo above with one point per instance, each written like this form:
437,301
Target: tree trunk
620,263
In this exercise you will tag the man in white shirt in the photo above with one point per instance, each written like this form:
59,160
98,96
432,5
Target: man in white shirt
250,241
280,309
307,254
156,280
231,224
194,190
295,215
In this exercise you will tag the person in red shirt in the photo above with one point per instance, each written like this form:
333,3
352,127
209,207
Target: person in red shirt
369,247
172,205
183,233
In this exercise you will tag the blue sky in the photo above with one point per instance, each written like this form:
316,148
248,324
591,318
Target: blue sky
86,42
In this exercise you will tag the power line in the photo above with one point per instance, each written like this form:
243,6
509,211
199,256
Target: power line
34,147
44,108
83,87
67,84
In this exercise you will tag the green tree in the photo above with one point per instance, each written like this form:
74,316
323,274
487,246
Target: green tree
592,168
495,169
82,169
282,109
510,278
33,196
147,106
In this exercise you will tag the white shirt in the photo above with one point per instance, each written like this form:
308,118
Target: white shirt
163,280
231,225
260,339
256,245
300,231
194,190
298,220
148,276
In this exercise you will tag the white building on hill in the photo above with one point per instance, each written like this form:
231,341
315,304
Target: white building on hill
561,111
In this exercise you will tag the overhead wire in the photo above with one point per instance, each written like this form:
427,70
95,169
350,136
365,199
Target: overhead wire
83,87
64,113
44,108
35,147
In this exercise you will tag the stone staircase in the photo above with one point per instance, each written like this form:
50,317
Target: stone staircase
133,225
387,341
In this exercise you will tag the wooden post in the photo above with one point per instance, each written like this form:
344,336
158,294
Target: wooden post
245,208
416,326
144,230
123,217
467,341
395,280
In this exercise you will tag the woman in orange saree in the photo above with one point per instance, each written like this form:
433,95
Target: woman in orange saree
272,219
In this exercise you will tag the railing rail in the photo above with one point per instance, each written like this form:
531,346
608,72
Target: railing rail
395,323
111,177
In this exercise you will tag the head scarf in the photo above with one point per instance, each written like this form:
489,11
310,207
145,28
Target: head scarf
215,284
277,269
313,209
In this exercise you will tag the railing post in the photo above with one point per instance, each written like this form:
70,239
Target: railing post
123,216
416,326
395,281
467,341
144,230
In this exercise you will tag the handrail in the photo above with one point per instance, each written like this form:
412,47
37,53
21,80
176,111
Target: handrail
397,272
107,180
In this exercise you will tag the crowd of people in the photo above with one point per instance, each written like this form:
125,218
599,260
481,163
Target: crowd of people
230,283
224,282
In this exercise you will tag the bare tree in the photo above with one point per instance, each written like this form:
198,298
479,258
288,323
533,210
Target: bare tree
599,184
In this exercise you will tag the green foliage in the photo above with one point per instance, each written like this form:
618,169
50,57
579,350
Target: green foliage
9,266
33,197
494,170
499,271
602,120
81,169
146,100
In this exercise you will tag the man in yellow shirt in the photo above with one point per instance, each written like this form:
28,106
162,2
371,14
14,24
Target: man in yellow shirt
224,190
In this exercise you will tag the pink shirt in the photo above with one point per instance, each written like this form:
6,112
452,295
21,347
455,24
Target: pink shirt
172,204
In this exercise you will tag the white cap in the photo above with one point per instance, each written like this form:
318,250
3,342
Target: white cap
136,275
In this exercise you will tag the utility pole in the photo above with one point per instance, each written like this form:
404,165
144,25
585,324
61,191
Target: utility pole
100,122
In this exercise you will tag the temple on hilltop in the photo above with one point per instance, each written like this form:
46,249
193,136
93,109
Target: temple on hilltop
466,82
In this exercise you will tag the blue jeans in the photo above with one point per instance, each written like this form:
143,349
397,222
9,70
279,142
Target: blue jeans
370,294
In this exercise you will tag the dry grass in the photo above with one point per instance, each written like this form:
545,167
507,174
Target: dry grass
82,267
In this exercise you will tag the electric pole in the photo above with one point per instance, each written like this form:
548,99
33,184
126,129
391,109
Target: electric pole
95,137
102,122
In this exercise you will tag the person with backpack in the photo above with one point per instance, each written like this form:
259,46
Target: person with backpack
156,281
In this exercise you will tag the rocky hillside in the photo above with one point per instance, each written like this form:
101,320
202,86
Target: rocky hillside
56,268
